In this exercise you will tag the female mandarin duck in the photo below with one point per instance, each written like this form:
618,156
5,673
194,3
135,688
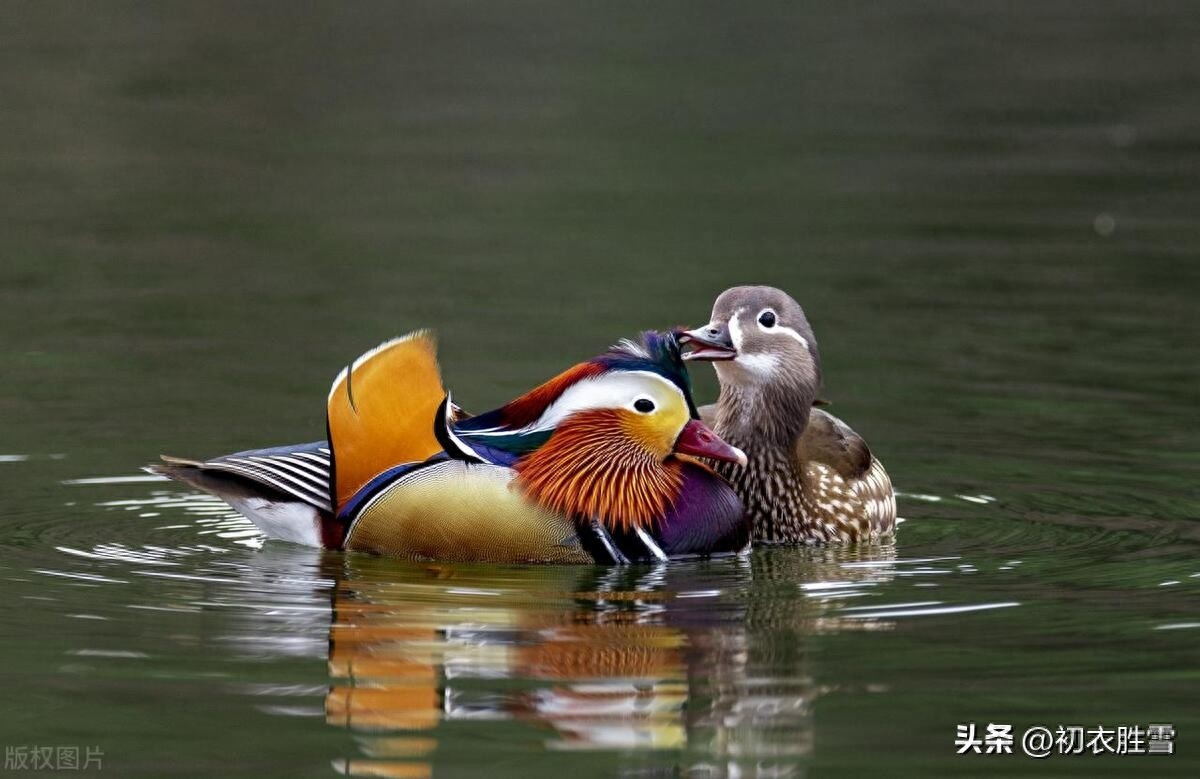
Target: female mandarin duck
592,466
810,478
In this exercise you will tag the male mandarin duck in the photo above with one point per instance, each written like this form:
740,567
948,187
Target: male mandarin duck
594,466
810,479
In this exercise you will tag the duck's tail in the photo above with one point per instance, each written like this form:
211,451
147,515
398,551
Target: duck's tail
284,491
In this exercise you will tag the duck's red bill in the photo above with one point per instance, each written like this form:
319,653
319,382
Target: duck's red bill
696,439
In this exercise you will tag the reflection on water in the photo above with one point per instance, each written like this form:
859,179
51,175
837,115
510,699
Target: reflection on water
707,668
620,660
700,667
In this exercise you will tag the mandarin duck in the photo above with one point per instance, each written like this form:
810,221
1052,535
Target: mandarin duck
597,465
810,479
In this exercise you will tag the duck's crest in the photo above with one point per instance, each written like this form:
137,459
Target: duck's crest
654,351
518,428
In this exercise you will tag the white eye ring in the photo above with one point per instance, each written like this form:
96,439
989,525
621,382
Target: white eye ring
767,319
643,405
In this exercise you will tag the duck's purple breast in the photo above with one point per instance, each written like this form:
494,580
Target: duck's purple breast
707,518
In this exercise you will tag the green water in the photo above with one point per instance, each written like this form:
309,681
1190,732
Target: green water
989,213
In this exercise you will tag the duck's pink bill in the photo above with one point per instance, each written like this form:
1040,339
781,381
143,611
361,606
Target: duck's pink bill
696,439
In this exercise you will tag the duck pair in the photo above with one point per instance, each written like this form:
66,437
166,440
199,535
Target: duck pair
605,463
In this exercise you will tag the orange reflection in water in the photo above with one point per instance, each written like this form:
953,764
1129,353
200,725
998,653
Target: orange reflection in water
614,660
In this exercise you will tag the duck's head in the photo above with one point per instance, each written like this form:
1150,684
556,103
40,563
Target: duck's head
760,342
598,440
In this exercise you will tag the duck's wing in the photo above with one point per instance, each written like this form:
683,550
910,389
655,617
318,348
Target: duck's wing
826,439
300,471
829,443
829,440
381,412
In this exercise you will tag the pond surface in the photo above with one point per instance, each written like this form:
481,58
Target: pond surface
990,216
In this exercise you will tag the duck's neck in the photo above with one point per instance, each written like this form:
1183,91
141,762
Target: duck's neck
762,415
589,469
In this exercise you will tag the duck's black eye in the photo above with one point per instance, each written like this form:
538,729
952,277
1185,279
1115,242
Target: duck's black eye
767,318
644,405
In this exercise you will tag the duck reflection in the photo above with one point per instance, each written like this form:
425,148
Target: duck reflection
695,668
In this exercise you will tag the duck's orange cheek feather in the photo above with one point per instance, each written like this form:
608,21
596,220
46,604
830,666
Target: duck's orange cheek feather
593,468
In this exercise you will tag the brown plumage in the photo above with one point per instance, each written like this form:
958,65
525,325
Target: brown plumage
810,479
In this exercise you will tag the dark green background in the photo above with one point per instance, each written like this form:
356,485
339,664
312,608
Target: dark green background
988,211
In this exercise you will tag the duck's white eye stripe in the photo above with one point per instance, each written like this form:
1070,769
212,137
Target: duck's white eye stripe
608,390
735,330
789,331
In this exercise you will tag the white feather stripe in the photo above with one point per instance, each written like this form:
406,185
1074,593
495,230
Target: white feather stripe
735,329
633,348
366,357
257,475
654,548
616,389
283,470
321,461
448,426
309,491
617,556
317,484
790,332
300,467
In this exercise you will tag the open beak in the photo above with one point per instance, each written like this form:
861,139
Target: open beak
709,342
696,439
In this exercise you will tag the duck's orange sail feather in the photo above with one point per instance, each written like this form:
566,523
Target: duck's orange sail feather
381,411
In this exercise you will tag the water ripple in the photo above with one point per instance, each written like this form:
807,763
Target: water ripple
648,659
